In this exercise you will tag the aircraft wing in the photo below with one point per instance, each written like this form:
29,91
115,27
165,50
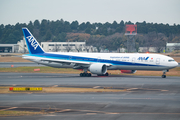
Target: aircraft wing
76,64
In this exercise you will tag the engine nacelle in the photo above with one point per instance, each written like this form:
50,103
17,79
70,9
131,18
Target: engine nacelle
128,71
98,68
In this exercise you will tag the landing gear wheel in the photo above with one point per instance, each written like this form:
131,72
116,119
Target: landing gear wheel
107,74
85,74
164,73
89,74
81,74
163,76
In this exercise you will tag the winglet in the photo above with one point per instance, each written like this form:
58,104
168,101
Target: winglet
33,45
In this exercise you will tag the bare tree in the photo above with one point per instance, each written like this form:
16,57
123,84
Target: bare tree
95,41
160,42
176,47
56,48
159,49
68,48
87,48
78,47
92,49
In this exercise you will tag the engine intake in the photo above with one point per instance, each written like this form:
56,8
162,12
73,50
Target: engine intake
98,68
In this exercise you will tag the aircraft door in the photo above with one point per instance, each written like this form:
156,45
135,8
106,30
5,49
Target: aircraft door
157,61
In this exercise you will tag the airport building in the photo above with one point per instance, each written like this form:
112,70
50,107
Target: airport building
21,47
170,47
67,47
151,49
9,48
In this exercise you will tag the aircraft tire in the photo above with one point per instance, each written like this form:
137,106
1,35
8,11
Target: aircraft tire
80,74
163,76
107,74
89,74
85,74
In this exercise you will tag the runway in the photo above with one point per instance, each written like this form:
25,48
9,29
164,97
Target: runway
150,97
17,64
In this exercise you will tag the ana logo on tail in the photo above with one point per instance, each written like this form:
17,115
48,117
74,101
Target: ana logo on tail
33,42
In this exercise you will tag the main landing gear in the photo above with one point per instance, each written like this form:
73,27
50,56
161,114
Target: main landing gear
85,74
164,73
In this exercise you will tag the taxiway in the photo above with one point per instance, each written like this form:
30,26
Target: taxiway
149,97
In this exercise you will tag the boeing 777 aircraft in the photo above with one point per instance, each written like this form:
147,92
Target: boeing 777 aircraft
97,63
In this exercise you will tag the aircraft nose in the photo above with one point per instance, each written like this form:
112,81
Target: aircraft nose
173,65
177,64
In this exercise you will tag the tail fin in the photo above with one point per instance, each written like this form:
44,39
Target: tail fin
33,45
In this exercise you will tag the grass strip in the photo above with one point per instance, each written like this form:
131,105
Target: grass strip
42,70
5,90
18,113
77,90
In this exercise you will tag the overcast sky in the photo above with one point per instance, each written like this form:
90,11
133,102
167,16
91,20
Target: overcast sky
156,11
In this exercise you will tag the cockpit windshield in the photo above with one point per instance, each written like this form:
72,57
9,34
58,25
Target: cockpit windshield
171,60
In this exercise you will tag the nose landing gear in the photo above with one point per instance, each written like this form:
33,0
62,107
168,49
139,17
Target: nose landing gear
163,76
164,73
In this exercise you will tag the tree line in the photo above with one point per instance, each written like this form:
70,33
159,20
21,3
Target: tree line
102,35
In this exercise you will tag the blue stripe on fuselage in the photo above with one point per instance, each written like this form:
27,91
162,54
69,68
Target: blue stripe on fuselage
85,59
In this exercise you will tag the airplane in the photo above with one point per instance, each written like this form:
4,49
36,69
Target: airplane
97,63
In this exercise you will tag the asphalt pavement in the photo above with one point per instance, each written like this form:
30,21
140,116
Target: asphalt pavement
149,97
17,64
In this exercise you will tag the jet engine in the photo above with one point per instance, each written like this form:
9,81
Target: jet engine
128,71
98,68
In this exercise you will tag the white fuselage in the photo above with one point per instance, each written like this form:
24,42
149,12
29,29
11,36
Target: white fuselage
113,61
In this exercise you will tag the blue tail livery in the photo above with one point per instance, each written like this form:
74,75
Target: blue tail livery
33,45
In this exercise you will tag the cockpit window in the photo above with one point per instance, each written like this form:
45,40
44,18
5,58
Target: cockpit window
171,60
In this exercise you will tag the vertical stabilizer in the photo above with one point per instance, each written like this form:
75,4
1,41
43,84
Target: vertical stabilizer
33,45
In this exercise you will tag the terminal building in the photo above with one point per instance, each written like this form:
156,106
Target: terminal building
170,47
67,47
9,48
21,47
